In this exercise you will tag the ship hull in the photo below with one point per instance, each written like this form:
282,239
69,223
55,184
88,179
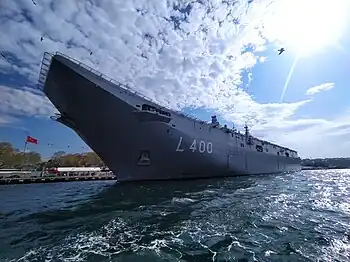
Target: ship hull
138,145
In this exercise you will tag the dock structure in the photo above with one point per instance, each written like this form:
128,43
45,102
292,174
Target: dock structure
51,179
67,174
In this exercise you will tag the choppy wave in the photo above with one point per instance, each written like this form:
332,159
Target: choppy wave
291,217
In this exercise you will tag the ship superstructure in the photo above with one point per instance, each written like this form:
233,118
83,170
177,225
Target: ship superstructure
141,140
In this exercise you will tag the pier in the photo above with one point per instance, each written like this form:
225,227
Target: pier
48,179
65,174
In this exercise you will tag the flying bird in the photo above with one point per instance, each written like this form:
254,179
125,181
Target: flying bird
41,39
33,2
281,50
3,55
90,53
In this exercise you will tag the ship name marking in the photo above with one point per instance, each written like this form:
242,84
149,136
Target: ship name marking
202,146
178,149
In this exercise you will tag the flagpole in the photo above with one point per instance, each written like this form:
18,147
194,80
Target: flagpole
24,152
25,146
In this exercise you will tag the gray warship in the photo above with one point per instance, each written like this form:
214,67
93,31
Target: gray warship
140,140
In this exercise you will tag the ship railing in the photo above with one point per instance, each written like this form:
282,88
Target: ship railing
105,77
46,65
44,70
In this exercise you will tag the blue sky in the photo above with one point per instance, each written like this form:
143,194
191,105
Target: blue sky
212,57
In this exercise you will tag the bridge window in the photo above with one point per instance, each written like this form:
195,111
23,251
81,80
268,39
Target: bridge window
154,109
148,107
242,145
287,154
259,148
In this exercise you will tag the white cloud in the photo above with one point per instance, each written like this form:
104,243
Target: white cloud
180,53
6,120
312,137
23,102
316,89
137,43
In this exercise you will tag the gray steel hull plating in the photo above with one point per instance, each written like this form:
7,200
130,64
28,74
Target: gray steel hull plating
107,118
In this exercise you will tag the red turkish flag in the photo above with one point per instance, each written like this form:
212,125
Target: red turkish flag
32,140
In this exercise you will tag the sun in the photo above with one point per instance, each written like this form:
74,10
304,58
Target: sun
307,26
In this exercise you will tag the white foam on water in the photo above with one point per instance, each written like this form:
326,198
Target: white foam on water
183,200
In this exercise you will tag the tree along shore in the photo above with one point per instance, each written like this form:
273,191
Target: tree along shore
11,157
